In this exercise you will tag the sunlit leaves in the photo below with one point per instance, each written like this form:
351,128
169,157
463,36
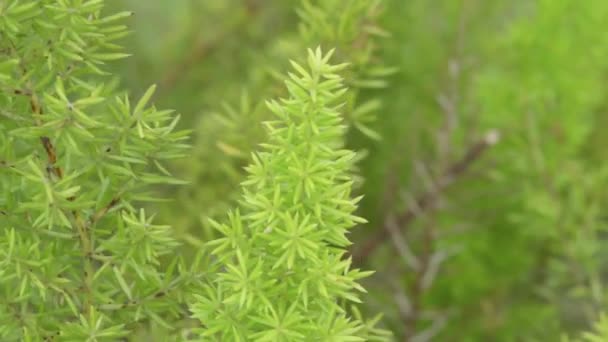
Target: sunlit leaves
353,27
295,238
142,240
79,261
280,325
281,264
94,327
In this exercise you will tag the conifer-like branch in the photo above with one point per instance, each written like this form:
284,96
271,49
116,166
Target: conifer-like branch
281,273
64,254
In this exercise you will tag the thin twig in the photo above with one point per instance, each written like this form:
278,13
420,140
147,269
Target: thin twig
428,334
434,264
404,304
402,246
427,201
55,170
103,211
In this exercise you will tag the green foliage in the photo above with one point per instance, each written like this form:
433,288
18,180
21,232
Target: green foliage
520,233
280,273
79,260
228,129
478,158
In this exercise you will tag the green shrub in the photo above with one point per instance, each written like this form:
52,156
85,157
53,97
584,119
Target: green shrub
79,259
471,138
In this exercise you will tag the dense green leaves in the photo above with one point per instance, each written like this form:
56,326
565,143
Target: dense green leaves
78,261
282,272
228,128
479,135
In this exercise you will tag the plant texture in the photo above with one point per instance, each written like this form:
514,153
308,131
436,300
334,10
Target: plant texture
79,261
480,168
281,272
229,129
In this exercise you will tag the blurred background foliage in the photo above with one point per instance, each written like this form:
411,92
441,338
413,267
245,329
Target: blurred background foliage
480,126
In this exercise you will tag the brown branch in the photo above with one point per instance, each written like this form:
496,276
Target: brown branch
416,287
425,265
52,168
85,240
427,201
52,157
4,163
103,211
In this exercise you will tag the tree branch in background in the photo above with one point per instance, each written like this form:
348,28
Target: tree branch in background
427,201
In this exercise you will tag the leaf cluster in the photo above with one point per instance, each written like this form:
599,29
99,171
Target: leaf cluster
281,271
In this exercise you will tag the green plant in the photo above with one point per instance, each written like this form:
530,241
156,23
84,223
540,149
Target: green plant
280,273
228,129
78,259
481,159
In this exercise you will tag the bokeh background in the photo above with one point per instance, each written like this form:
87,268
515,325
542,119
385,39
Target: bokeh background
481,131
